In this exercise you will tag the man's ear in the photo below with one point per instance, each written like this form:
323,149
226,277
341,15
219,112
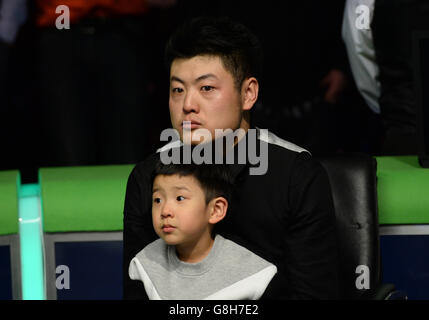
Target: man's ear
249,93
218,208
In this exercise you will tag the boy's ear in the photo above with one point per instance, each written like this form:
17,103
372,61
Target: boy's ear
218,209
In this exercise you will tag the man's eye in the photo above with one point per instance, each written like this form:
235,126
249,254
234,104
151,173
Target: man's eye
180,198
157,200
177,90
207,88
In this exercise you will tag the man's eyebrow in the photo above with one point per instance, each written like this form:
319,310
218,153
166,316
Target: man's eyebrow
174,78
203,77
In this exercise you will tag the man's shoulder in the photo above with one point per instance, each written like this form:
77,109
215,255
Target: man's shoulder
280,149
289,158
282,154
146,166
277,143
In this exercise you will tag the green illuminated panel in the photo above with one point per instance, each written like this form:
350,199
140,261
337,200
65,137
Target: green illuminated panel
87,198
9,181
31,235
403,190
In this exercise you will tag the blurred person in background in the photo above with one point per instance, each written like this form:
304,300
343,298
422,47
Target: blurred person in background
394,24
381,59
13,14
92,80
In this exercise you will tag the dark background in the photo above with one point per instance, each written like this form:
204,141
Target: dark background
98,93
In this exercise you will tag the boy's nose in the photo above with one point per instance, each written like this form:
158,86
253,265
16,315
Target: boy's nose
166,213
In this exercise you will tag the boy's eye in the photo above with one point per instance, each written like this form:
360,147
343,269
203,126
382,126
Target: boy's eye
180,198
157,200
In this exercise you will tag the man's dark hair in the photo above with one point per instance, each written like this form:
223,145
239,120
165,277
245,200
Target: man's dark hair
239,49
216,180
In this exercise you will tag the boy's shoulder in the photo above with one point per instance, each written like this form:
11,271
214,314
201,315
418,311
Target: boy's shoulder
235,257
154,251
235,254
238,273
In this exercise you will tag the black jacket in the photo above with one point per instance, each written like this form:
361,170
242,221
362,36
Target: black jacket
286,216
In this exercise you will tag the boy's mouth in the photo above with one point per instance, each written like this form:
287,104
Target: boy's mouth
168,228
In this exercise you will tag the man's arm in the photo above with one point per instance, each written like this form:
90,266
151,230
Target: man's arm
336,78
311,238
138,230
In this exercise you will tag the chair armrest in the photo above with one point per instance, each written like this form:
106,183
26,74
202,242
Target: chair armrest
385,291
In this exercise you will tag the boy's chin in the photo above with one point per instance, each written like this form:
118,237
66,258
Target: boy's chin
168,240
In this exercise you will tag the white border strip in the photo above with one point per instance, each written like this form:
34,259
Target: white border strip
404,229
82,236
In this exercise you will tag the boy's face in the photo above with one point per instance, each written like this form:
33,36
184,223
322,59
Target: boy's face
203,91
180,214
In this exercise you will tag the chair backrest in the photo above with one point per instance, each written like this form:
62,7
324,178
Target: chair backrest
353,182
421,80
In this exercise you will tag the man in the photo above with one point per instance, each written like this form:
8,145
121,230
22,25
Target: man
286,215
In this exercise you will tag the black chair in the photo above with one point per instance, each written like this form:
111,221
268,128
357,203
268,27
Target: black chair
354,187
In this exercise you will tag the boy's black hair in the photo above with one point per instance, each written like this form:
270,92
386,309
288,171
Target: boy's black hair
238,48
216,180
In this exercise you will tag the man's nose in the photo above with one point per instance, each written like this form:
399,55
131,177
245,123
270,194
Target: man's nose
190,104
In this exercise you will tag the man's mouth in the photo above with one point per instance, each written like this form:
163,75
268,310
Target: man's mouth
190,124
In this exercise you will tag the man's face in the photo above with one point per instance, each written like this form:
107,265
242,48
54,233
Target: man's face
202,91
180,214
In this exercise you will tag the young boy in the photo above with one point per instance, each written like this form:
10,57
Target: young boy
190,261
